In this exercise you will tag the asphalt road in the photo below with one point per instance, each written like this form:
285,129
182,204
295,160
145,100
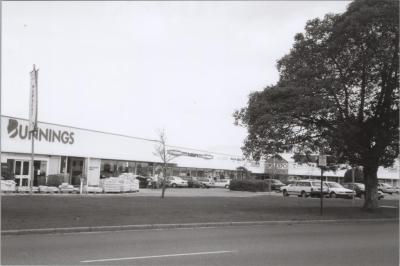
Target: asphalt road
299,244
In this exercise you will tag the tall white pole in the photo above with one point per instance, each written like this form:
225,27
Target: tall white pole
32,160
33,108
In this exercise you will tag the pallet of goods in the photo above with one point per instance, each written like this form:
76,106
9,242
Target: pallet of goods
129,182
111,185
66,188
47,189
7,186
25,189
92,189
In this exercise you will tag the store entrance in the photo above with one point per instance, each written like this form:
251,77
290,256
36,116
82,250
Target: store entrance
76,166
21,172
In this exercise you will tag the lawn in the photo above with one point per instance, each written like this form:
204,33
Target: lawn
55,211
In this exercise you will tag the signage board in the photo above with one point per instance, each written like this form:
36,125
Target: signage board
33,100
322,160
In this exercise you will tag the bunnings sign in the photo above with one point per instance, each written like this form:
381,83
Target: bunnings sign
16,130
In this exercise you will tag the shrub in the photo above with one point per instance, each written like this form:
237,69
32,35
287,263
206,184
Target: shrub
249,185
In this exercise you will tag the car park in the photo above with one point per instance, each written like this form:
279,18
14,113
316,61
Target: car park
386,188
336,190
176,181
304,188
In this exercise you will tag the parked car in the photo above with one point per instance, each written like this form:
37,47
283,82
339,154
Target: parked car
336,190
276,184
144,182
386,188
222,183
304,188
359,189
176,181
206,182
194,183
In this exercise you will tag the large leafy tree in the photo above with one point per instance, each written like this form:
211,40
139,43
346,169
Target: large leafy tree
337,92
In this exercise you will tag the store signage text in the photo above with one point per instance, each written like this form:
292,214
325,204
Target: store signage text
276,166
50,135
190,154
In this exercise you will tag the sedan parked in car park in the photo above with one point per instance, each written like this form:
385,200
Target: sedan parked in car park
222,183
276,184
176,181
386,188
206,182
359,189
304,188
336,190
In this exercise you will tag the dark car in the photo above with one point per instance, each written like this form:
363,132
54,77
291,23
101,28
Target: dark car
359,188
144,182
275,184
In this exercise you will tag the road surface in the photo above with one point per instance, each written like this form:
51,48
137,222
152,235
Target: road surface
297,244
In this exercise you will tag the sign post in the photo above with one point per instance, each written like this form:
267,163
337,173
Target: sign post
33,109
322,164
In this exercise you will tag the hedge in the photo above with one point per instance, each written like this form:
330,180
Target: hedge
249,185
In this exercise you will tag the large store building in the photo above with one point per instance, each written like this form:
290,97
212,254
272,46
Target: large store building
92,155
83,153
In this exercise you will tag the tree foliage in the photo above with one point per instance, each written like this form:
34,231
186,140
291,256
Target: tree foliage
337,92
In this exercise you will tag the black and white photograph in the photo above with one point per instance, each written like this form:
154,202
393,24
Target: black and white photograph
200,133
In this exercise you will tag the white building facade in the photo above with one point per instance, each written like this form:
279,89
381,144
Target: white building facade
89,154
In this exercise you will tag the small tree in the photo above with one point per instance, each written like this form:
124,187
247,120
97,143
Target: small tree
161,151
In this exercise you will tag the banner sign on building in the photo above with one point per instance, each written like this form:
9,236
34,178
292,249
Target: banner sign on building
190,154
33,100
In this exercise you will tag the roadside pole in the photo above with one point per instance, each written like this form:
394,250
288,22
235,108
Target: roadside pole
322,193
322,164
33,110
352,180
273,173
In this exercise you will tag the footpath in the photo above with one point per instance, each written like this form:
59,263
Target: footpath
21,214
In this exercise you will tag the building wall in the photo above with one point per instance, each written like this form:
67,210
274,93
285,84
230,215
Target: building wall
93,171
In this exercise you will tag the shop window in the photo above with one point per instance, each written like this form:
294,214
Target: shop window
63,165
25,169
18,167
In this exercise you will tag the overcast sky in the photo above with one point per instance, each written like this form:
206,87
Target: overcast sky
135,67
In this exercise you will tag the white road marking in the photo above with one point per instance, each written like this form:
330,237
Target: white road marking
392,207
162,256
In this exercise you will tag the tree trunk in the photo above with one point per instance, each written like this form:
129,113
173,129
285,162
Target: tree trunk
371,190
164,181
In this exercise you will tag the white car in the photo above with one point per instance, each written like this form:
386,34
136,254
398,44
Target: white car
386,188
304,188
336,190
222,183
176,181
